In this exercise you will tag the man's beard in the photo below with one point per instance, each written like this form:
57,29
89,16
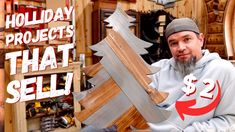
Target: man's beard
186,67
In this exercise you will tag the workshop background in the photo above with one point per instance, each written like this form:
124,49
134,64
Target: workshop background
215,18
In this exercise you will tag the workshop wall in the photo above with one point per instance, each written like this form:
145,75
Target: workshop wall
83,8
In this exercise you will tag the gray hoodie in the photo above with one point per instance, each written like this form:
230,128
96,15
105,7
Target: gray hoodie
210,66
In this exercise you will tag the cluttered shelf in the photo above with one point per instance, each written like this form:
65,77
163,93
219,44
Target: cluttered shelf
49,112
60,108
54,106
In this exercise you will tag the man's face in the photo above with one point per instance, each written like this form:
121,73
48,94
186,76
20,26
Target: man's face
185,45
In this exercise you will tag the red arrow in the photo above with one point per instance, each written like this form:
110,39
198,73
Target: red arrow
182,107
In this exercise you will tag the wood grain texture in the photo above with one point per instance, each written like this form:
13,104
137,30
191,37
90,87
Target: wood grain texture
100,95
130,85
103,117
103,105
134,63
229,30
91,70
131,118
215,39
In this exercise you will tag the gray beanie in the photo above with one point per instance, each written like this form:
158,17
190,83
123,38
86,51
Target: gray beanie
181,24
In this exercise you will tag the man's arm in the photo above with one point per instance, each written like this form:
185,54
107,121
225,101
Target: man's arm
225,123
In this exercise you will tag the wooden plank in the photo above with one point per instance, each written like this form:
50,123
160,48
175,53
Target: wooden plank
8,126
92,69
19,114
105,116
137,67
130,118
80,27
125,5
148,5
131,87
76,88
89,10
100,95
2,14
133,6
99,78
97,101
229,30
181,9
188,8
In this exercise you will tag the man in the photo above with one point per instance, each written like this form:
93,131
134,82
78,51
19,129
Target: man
197,74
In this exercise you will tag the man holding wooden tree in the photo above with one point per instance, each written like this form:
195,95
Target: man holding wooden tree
200,84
